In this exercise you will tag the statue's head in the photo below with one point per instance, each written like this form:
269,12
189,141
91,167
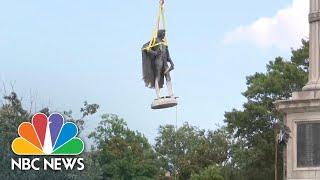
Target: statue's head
161,34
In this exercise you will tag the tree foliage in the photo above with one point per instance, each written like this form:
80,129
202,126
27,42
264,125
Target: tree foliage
209,173
189,149
123,153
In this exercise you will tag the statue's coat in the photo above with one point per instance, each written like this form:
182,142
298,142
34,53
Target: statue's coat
152,62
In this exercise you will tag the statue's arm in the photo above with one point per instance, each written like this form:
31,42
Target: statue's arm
152,52
170,60
149,51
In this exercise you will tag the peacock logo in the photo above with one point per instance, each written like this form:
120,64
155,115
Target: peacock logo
47,136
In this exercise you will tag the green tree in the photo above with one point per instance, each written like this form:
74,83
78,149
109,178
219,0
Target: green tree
251,128
86,110
11,115
123,153
209,173
189,149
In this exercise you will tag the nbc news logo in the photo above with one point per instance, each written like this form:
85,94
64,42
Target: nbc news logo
47,136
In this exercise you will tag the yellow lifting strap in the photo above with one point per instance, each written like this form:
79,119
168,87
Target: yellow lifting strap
160,18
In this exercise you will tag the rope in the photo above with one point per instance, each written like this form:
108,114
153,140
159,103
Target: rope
160,18
176,117
176,128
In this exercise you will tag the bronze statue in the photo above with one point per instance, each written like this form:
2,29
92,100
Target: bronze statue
155,65
155,68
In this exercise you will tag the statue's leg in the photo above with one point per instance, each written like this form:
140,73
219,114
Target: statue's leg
169,84
158,70
156,84
166,68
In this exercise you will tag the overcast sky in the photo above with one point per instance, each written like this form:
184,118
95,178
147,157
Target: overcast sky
61,53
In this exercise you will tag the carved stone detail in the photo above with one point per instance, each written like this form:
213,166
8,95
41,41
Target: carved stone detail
313,17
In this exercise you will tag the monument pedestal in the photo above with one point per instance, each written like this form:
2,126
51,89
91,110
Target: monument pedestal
302,116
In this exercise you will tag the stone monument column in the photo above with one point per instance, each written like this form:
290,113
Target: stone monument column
302,114
314,51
